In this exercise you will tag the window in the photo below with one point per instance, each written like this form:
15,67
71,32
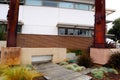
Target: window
66,5
90,32
90,7
33,2
19,28
61,31
70,31
22,1
7,1
2,0
74,31
50,3
54,3
3,26
2,32
82,6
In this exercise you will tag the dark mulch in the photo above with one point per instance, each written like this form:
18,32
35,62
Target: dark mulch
40,78
109,76
112,76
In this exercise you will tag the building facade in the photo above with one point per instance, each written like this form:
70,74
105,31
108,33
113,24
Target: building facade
61,18
53,17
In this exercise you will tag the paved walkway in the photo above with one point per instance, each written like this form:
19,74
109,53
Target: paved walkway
56,72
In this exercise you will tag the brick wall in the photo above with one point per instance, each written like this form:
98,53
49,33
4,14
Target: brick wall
49,41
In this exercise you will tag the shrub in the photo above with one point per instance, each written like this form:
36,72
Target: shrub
99,73
110,45
74,67
114,61
3,68
111,70
85,60
77,52
18,73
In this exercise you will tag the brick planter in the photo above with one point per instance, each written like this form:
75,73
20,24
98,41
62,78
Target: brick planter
101,56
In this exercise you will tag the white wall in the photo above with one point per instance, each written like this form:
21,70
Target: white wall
43,20
3,11
79,17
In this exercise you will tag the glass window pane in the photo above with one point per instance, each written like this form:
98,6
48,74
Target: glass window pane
77,6
33,2
2,31
8,1
90,33
90,7
2,0
76,31
2,28
70,31
5,1
83,33
19,28
82,6
50,3
22,1
61,31
66,5
80,32
87,33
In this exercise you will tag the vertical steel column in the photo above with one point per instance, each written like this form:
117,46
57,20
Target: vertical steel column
12,23
100,21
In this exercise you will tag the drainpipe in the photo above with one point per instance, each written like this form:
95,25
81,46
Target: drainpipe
100,21
12,22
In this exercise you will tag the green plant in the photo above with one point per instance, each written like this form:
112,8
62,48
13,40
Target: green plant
114,61
19,73
111,70
104,69
3,68
85,60
63,63
74,67
115,30
108,70
2,34
97,73
77,52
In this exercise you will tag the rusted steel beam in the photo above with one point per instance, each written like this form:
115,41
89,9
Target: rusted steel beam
12,23
100,21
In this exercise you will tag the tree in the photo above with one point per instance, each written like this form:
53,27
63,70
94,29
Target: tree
115,29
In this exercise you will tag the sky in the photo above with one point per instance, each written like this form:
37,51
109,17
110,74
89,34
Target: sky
115,5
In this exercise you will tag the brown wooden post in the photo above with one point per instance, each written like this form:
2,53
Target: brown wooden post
100,21
12,23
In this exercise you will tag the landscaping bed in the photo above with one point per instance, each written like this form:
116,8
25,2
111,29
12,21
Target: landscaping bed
19,72
108,76
109,71
104,73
